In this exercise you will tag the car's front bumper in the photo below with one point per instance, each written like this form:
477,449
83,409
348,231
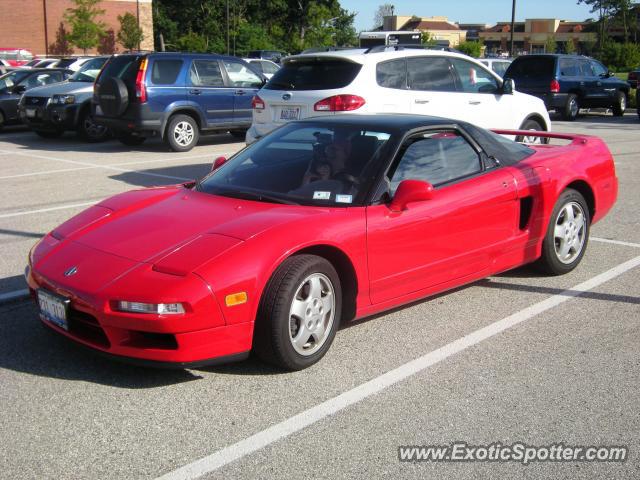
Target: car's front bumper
50,117
146,340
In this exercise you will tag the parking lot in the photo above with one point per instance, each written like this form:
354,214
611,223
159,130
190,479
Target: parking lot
514,358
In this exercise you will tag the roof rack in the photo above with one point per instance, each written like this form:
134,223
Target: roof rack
409,46
328,49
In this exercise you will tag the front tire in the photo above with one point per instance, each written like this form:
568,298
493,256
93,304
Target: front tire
571,108
89,130
567,234
182,133
299,313
620,104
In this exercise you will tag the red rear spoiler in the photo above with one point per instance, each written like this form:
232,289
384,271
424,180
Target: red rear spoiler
574,138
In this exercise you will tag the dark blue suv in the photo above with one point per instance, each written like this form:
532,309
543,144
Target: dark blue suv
175,96
567,83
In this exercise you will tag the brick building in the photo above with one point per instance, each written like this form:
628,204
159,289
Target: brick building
440,29
32,24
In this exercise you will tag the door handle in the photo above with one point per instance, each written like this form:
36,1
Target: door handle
195,92
474,102
240,92
421,102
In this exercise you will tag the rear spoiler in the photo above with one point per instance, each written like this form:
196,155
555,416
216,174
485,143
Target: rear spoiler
574,138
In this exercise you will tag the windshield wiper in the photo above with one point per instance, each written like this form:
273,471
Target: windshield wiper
261,197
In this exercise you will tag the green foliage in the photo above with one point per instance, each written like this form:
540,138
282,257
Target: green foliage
130,34
107,45
287,25
86,30
473,49
550,45
620,56
61,46
427,39
569,47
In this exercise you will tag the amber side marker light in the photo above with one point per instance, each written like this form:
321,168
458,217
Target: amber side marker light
235,299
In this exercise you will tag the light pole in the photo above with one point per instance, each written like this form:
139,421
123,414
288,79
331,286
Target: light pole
227,27
513,21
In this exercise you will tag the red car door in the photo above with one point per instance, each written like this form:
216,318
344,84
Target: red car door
471,218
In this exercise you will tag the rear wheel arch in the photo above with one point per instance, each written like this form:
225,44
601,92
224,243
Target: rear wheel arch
191,112
536,117
586,191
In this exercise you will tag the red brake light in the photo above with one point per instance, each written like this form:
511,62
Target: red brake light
555,86
257,103
339,103
141,90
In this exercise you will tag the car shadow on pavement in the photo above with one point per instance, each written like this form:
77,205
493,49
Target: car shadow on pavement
165,175
27,346
628,122
70,142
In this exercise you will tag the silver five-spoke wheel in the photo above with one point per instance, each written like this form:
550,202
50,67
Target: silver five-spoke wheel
569,232
312,313
183,133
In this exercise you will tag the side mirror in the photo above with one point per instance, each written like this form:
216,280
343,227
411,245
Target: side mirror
508,86
218,162
19,89
411,191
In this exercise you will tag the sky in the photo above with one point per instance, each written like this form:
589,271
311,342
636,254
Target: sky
470,11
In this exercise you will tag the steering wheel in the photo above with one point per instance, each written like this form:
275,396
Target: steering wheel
347,178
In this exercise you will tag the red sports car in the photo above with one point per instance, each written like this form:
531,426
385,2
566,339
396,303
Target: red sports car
320,222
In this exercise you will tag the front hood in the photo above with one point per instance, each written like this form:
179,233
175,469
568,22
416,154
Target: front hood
61,88
145,225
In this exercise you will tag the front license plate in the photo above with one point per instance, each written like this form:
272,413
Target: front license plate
289,113
53,308
31,112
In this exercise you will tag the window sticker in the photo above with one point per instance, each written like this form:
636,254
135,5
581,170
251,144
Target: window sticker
321,195
344,198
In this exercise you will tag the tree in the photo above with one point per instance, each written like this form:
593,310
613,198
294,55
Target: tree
604,8
61,46
384,10
130,34
85,29
569,46
550,45
473,49
107,44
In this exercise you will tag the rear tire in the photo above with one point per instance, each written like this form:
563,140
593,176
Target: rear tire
182,133
571,108
567,234
620,104
130,140
307,284
535,126
49,133
90,131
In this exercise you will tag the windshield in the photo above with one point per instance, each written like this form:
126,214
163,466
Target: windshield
302,163
11,79
89,71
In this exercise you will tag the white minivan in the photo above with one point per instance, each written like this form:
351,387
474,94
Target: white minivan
384,80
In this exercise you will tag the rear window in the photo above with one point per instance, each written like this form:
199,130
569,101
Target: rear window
65,62
531,67
124,67
166,71
314,74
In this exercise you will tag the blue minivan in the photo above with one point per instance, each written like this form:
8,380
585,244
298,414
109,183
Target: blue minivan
175,96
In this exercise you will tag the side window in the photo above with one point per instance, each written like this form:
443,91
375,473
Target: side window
435,157
241,75
268,67
598,68
568,67
430,73
500,67
165,72
392,74
206,73
585,68
474,79
258,66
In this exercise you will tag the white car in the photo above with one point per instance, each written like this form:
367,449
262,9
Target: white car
265,67
498,65
384,80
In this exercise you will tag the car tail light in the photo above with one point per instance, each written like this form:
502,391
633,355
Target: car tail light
257,103
339,103
141,90
555,86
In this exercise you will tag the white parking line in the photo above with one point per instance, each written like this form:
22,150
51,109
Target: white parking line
5,297
93,165
615,242
50,209
329,407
